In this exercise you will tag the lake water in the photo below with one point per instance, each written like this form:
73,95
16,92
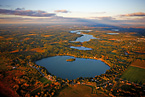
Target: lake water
84,37
81,67
80,48
115,30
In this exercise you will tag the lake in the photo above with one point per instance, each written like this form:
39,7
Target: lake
80,48
81,67
83,38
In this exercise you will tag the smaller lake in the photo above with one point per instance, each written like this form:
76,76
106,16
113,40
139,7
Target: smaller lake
115,30
81,48
81,67
84,37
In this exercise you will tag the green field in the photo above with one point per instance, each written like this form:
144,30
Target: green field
45,80
134,74
36,91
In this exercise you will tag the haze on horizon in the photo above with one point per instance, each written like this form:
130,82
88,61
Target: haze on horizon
113,12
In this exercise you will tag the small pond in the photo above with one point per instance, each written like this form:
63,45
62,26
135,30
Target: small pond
80,48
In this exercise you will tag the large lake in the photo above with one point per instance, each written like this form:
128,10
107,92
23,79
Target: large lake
81,67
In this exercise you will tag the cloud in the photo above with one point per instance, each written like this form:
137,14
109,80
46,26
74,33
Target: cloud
20,9
50,18
66,20
135,14
44,20
98,12
123,21
106,18
5,5
14,20
61,11
23,12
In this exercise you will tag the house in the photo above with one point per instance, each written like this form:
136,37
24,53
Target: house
14,67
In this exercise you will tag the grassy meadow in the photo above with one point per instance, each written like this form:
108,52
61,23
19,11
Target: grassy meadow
134,74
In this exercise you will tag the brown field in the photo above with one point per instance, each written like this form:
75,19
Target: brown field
78,91
30,34
112,39
39,50
14,51
1,37
104,41
138,63
114,51
100,31
140,51
46,35
9,38
26,39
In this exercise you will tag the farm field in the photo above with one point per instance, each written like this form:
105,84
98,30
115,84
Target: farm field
45,80
79,91
139,63
134,74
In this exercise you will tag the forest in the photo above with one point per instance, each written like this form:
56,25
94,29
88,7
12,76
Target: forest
22,45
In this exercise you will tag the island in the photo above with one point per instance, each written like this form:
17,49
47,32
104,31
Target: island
70,60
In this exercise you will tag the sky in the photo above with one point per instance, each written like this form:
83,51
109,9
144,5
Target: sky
113,12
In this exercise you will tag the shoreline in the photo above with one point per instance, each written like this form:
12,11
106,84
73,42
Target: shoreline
104,61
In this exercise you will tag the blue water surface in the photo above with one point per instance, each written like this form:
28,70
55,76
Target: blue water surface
81,67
